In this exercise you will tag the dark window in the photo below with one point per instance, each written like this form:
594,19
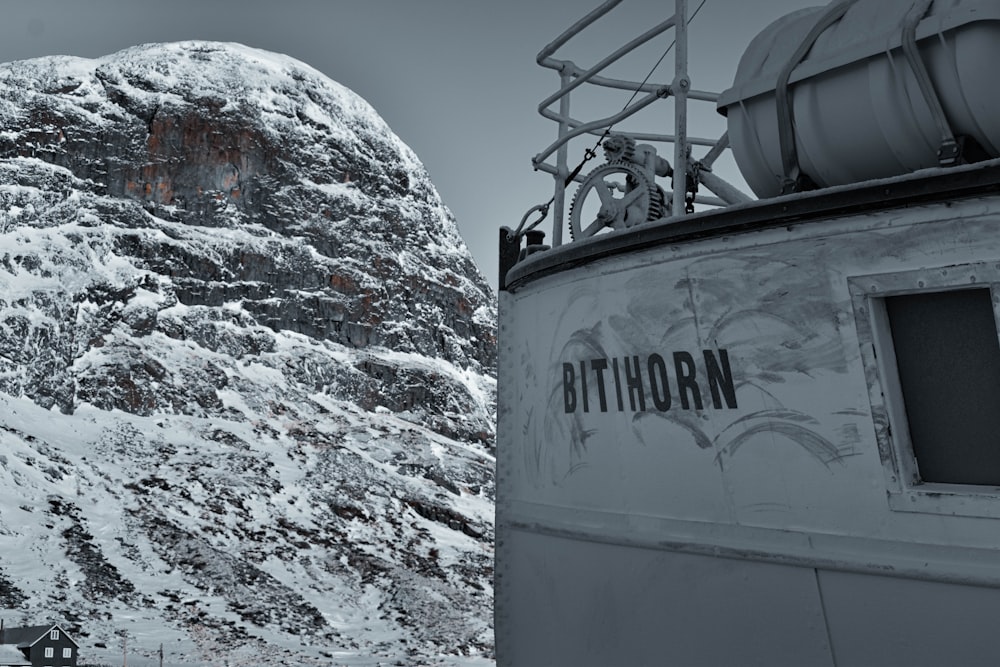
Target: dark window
949,368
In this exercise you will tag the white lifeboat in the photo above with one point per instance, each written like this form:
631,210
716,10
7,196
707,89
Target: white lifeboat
874,88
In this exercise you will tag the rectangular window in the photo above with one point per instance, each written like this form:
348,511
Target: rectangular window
948,358
54,635
67,653
931,351
49,652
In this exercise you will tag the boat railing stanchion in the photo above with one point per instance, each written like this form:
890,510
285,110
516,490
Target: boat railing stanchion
690,172
562,168
679,90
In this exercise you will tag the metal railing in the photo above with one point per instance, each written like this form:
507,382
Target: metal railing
572,77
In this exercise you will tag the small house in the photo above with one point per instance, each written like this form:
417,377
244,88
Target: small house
37,646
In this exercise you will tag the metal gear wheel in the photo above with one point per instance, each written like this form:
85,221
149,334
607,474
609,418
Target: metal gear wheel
640,200
619,148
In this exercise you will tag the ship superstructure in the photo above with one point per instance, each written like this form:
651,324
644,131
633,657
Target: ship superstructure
764,431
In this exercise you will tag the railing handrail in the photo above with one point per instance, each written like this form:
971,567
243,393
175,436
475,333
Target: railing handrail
630,110
572,77
606,62
574,30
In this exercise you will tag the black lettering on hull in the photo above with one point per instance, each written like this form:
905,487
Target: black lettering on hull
659,384
687,383
599,366
569,388
634,379
720,379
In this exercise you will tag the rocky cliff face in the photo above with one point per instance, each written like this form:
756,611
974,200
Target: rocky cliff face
247,365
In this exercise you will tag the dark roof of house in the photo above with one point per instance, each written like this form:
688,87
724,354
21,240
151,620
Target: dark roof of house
28,635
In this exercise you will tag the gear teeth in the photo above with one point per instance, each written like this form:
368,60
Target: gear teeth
655,198
658,205
619,148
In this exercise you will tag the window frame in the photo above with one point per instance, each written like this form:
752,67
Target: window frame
50,652
67,652
906,491
54,635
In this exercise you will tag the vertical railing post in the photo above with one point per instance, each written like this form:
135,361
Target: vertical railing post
679,90
562,167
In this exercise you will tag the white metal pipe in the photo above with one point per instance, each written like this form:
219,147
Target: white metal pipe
590,73
562,169
603,122
633,86
727,192
680,89
717,149
573,30
638,136
711,201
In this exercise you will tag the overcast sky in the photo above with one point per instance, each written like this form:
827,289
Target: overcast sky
455,79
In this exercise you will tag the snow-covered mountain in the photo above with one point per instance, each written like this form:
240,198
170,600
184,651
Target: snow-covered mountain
247,369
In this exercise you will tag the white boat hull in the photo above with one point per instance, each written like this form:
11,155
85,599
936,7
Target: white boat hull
697,463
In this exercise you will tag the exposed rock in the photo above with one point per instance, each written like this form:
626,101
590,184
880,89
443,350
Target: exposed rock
267,358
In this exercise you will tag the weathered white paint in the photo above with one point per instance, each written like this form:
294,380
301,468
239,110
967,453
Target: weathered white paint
859,110
742,535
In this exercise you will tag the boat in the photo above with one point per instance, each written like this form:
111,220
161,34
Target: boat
761,430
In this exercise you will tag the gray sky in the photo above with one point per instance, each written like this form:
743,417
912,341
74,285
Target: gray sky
455,79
